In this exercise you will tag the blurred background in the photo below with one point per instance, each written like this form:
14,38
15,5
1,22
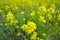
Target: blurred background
25,5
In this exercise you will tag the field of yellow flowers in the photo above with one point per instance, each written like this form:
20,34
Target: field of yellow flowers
29,20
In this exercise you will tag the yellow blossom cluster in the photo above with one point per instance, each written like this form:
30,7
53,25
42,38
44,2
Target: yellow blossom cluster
32,13
44,34
22,12
10,16
42,8
18,34
41,18
13,22
34,36
29,27
49,16
51,10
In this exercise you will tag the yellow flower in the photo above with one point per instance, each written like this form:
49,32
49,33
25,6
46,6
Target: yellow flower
17,26
29,27
13,22
32,13
28,31
1,10
44,21
24,27
41,18
18,34
10,16
49,16
44,34
30,3
41,39
42,8
24,19
38,38
39,13
16,7
51,10
34,36
6,24
22,12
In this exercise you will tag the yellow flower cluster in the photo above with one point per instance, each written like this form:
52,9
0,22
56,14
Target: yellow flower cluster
22,12
44,34
49,16
18,34
1,10
24,19
42,9
17,26
41,18
39,38
10,16
34,36
30,2
16,7
32,13
13,22
51,10
29,27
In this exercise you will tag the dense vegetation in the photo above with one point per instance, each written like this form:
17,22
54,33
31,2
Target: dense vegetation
29,20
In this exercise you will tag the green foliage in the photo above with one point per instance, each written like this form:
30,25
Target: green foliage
29,20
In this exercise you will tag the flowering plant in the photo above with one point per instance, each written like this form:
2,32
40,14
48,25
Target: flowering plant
29,20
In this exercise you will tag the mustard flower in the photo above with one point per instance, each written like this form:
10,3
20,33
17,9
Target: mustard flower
13,22
38,38
1,10
41,39
41,18
10,16
24,19
42,8
34,36
49,16
18,34
31,24
30,3
44,34
32,13
51,10
22,12
29,27
17,26
16,7
24,27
